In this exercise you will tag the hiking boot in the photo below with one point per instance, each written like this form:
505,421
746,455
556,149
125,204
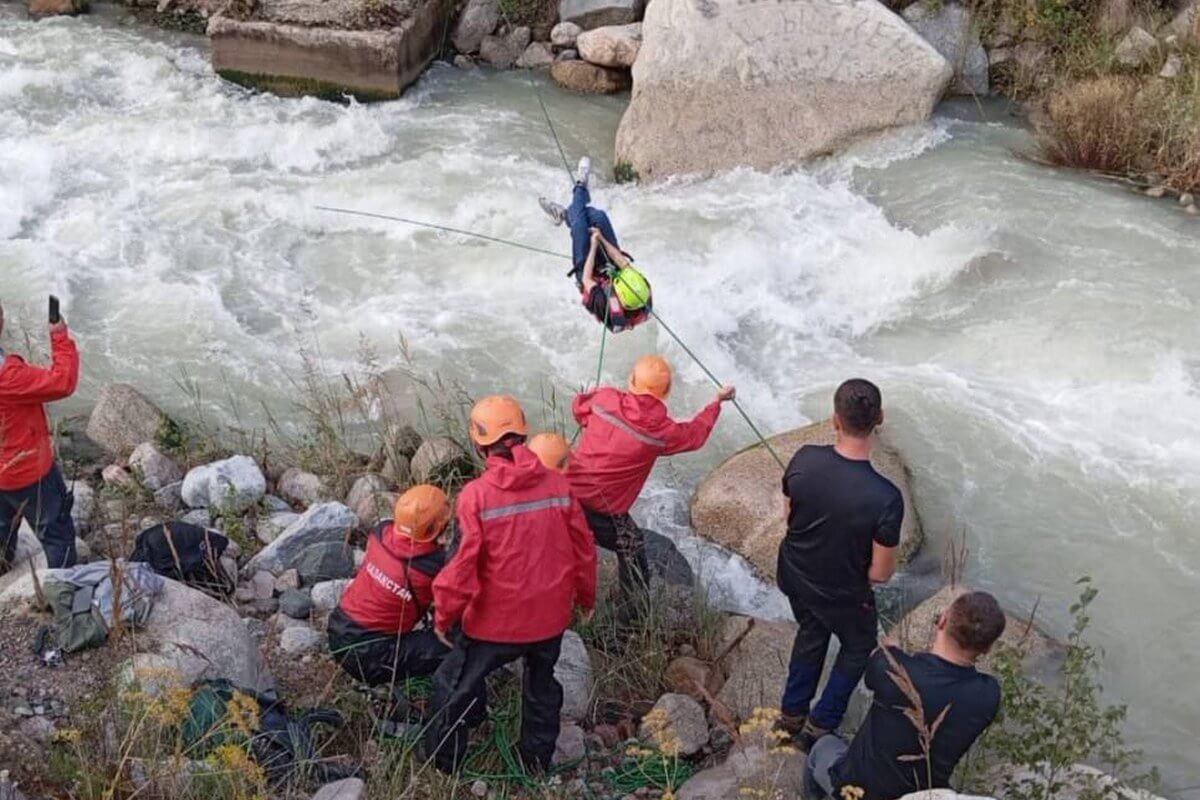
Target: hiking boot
791,724
553,210
809,735
584,171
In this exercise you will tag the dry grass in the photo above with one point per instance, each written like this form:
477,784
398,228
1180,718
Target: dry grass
1094,124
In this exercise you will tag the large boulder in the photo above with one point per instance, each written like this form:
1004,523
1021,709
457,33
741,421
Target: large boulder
760,765
757,667
441,459
368,49
564,34
580,76
323,561
588,14
574,672
477,20
1076,782
328,522
230,486
611,46
763,84
740,505
153,467
1186,24
536,56
915,631
1136,48
501,52
188,636
301,488
951,29
56,8
267,529
123,418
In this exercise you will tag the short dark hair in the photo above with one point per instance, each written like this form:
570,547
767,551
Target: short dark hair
859,405
975,621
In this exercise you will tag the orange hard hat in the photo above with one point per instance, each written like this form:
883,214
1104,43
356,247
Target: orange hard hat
552,449
651,375
421,513
495,417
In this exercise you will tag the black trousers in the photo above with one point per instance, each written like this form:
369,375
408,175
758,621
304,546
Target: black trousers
620,534
378,659
458,704
46,506
856,627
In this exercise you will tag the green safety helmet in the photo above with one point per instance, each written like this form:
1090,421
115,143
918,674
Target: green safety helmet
633,290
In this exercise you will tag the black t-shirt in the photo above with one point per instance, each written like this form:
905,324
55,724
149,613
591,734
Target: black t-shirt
876,761
839,508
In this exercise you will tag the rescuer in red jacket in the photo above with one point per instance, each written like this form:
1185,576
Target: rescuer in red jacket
525,561
373,633
624,434
31,485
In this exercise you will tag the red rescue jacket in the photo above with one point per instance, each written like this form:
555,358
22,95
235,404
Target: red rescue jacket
26,453
525,559
623,435
394,587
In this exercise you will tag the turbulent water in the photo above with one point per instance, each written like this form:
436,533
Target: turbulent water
1035,332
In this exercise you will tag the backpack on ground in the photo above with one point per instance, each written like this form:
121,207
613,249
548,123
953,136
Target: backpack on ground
186,553
86,601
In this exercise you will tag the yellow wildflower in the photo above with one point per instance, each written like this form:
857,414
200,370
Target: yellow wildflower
242,713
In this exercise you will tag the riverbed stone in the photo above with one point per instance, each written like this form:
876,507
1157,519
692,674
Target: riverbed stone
267,529
300,640
611,46
327,522
295,604
756,669
84,507
573,670
588,14
301,488
122,419
55,8
327,595
536,56
764,84
170,497
750,764
739,505
1136,48
580,76
364,486
440,459
478,19
231,486
153,467
950,28
571,745
564,34
502,52
323,561
345,789
117,477
676,725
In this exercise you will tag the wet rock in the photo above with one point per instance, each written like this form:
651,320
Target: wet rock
571,745
676,724
117,476
300,640
268,529
951,29
153,468
122,419
666,562
231,486
588,14
55,8
301,488
478,19
826,73
1136,47
536,56
295,604
346,789
564,34
323,561
441,458
328,522
170,497
1193,210
757,668
327,595
739,505
580,76
501,52
1186,199
1156,192
612,45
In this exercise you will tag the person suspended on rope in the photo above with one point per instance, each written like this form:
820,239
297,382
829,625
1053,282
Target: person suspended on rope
526,560
623,435
615,291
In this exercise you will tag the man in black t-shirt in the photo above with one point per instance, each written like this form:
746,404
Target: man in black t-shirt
885,759
843,528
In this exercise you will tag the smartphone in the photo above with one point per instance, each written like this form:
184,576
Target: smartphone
55,316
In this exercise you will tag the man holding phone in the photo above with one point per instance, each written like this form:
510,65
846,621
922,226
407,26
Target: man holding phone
31,485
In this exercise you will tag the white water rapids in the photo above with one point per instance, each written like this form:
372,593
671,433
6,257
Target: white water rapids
1035,332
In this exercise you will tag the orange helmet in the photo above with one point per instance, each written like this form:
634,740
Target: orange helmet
421,513
651,375
495,417
552,449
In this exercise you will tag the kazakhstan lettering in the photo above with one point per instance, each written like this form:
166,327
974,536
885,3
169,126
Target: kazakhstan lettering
387,583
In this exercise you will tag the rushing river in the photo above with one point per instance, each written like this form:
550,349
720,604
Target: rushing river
1035,332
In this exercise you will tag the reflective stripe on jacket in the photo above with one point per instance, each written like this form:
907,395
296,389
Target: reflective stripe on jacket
525,559
26,454
394,587
623,435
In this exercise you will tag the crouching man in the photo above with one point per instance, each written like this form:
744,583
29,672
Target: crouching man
880,760
525,561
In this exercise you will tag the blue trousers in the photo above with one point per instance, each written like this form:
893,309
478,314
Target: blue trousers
856,628
46,506
581,218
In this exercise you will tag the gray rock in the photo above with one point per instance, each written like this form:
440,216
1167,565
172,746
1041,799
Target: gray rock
580,76
84,507
501,52
951,29
199,517
479,788
749,764
570,54
612,45
154,468
288,579
295,604
37,728
478,19
122,419
574,671
666,562
262,585
1186,24
327,522
1172,67
117,476
227,487
327,595
757,666
323,561
571,745
1186,199
441,458
272,504
301,488
9,791
170,497
1136,47
268,529
373,508
536,56
588,14
299,640
370,484
827,73
405,439
564,34
396,468
347,789
676,721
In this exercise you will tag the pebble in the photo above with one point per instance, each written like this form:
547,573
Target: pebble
1156,191
1193,209
479,788
23,711
1186,199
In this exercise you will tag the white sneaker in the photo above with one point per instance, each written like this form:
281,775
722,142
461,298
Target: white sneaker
584,171
553,210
